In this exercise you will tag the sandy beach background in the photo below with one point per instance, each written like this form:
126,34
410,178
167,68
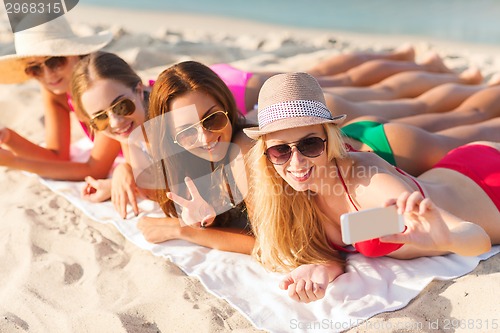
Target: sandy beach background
62,272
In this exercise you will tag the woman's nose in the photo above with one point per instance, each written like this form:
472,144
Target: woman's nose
114,120
297,158
204,135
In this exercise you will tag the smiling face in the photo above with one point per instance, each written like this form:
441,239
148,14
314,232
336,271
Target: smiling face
302,173
56,80
210,145
104,93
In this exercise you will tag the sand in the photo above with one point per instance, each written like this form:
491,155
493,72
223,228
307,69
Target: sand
62,272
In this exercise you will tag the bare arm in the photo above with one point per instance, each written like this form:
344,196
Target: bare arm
433,231
98,165
308,283
158,230
57,132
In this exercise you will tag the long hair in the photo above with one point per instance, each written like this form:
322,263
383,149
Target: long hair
99,65
175,81
287,224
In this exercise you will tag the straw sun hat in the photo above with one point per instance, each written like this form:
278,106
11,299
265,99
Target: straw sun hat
51,39
288,101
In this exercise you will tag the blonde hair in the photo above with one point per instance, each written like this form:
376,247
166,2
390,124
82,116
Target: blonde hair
287,224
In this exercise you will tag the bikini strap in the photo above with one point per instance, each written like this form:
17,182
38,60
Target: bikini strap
350,148
344,185
416,183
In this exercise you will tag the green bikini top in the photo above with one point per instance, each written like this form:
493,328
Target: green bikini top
372,134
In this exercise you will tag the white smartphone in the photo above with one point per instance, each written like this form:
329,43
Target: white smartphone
370,223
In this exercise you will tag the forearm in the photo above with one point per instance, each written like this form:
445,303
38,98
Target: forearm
465,238
27,149
231,240
60,170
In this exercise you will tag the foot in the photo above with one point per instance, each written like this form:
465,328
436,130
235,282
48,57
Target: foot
405,52
494,80
434,63
471,76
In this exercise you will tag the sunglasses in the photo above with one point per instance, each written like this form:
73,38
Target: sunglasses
51,63
214,122
123,107
309,147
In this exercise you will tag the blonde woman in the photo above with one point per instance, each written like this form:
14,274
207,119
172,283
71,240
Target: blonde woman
303,180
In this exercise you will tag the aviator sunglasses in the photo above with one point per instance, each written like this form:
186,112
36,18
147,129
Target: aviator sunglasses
51,63
309,147
214,122
100,120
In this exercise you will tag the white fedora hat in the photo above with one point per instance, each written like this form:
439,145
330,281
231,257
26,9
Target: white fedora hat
288,101
51,39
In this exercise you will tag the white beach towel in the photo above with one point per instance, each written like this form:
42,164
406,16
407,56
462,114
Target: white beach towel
369,286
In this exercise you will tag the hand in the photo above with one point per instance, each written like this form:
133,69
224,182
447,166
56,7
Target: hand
195,212
4,135
96,190
157,230
425,226
124,189
308,283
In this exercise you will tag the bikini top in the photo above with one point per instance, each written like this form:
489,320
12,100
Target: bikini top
373,247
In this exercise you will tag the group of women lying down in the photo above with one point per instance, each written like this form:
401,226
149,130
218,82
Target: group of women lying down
357,131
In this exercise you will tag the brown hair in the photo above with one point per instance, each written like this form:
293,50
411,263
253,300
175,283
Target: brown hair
179,79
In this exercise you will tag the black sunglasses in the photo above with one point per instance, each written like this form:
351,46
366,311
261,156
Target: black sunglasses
123,107
309,147
51,63
214,122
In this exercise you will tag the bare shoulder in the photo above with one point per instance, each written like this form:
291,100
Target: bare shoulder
375,180
55,101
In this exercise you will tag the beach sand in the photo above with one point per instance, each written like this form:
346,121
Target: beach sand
62,272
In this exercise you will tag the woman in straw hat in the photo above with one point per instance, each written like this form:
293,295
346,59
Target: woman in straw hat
48,53
303,179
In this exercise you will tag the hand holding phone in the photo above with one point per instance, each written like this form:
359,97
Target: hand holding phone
370,223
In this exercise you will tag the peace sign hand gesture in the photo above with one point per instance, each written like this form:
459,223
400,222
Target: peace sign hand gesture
195,212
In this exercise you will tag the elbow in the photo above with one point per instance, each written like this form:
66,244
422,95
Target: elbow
486,246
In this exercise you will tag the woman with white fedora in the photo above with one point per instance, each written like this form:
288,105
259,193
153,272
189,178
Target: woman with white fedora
303,180
48,53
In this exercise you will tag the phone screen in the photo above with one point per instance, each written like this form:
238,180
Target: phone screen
370,223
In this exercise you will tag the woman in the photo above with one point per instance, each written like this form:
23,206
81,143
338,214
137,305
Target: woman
112,101
195,138
303,180
48,53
